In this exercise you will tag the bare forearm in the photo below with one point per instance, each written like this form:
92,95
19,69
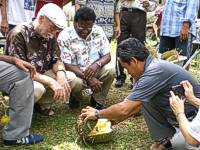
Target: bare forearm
117,20
43,79
184,125
58,66
75,69
120,111
8,59
105,60
195,101
3,9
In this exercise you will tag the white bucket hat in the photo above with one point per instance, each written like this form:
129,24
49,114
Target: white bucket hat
55,14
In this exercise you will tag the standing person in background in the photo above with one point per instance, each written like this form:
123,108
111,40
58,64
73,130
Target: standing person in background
16,12
129,9
178,26
104,10
41,3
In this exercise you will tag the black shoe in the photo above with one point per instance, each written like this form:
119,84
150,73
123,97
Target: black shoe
73,103
95,104
119,83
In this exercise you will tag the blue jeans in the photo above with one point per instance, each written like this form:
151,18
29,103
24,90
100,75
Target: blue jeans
169,43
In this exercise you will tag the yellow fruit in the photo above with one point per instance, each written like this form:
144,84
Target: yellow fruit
153,53
102,132
172,58
5,120
167,54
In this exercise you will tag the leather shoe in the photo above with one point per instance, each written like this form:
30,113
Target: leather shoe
95,104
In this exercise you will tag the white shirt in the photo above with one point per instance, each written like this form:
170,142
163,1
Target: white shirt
194,127
20,11
136,4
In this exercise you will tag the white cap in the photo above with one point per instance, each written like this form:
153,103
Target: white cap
54,13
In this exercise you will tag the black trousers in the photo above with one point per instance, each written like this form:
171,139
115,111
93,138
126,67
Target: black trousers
133,24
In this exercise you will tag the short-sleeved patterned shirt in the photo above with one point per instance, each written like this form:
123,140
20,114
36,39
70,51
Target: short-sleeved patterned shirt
83,52
24,43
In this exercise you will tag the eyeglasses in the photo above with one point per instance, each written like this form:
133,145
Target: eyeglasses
88,29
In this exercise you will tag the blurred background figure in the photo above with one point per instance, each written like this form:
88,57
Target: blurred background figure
41,3
16,12
178,26
129,9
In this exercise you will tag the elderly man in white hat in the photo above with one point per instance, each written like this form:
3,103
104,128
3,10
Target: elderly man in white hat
35,42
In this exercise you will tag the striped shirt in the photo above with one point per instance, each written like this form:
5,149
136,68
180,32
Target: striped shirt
175,12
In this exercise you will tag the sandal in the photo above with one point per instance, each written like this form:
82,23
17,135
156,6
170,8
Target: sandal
164,144
43,111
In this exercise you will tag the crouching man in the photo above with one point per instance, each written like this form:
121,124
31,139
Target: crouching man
85,52
154,79
36,43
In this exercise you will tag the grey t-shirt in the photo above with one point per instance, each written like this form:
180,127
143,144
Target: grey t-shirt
155,83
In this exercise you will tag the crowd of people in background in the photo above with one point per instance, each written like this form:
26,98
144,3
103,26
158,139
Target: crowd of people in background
63,61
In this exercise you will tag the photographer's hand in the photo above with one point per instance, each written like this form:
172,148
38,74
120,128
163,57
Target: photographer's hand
189,94
176,104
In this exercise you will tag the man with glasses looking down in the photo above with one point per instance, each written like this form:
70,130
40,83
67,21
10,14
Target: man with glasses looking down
85,52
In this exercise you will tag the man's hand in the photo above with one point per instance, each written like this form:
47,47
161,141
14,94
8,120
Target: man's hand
88,113
90,71
95,84
23,65
145,3
117,32
184,31
189,93
62,80
4,26
59,91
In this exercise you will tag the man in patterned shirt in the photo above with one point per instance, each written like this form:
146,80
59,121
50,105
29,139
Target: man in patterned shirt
178,25
36,43
105,12
85,52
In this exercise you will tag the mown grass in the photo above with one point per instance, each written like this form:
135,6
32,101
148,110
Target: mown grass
59,131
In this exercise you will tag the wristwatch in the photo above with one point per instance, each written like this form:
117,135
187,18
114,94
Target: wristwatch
99,64
96,113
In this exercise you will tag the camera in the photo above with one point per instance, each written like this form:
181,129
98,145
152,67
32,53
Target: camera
178,90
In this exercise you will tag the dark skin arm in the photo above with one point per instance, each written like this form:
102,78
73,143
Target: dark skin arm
93,83
90,71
